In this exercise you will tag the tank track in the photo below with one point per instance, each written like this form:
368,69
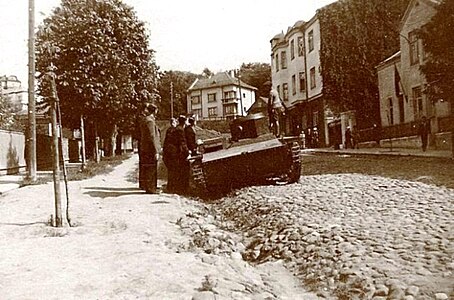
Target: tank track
198,183
294,172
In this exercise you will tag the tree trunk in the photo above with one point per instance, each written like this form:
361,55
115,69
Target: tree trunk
113,140
56,168
96,154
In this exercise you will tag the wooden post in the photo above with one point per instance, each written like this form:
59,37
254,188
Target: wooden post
82,136
56,164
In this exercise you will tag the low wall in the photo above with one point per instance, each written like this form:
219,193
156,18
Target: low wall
12,145
438,141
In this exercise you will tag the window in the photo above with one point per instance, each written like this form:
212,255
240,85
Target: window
285,91
230,109
293,84
310,40
283,60
312,78
292,49
212,112
300,46
197,113
277,62
390,111
212,97
279,91
315,118
413,43
230,95
195,99
302,82
417,102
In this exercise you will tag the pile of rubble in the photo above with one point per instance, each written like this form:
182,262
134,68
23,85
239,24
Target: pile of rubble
335,237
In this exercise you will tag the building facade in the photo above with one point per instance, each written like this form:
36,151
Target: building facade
222,96
296,76
402,86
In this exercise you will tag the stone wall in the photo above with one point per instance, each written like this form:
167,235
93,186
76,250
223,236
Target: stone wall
12,144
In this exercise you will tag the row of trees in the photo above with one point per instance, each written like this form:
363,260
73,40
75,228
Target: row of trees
95,58
97,54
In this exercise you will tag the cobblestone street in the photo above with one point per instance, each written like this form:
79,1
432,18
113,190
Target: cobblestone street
350,235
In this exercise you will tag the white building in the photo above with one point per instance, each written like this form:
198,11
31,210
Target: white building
222,96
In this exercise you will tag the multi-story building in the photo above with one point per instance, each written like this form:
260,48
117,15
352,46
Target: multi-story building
222,96
295,74
401,84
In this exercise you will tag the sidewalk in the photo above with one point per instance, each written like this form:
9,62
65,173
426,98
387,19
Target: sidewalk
385,151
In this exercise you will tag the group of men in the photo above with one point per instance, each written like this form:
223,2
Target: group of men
179,145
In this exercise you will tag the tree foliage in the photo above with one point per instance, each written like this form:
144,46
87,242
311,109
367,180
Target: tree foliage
181,82
257,75
438,41
98,53
356,35
8,115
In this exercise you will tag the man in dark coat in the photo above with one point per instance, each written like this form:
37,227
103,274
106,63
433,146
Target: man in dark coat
424,131
189,133
182,181
149,149
170,156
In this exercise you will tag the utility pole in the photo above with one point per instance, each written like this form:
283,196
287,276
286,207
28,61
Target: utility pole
171,99
241,96
31,167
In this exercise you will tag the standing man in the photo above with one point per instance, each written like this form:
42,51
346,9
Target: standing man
149,149
424,131
189,133
182,181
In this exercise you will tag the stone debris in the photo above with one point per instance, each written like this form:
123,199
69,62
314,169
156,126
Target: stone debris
349,236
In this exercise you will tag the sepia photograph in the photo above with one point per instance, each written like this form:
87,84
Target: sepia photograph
211,150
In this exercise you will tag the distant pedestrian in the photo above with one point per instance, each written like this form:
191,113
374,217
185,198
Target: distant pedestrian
348,138
170,155
315,137
149,149
377,134
424,131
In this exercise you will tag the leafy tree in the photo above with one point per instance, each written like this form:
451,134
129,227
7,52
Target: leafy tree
356,35
98,53
8,111
257,75
438,41
207,73
181,82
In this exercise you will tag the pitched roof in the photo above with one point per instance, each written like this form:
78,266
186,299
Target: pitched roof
218,80
393,57
432,3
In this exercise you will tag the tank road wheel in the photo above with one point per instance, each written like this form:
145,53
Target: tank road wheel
197,182
294,172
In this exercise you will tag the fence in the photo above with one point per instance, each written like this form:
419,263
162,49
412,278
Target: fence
12,146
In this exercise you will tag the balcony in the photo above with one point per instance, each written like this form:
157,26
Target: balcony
232,100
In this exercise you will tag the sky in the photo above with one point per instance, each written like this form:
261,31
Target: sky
186,35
